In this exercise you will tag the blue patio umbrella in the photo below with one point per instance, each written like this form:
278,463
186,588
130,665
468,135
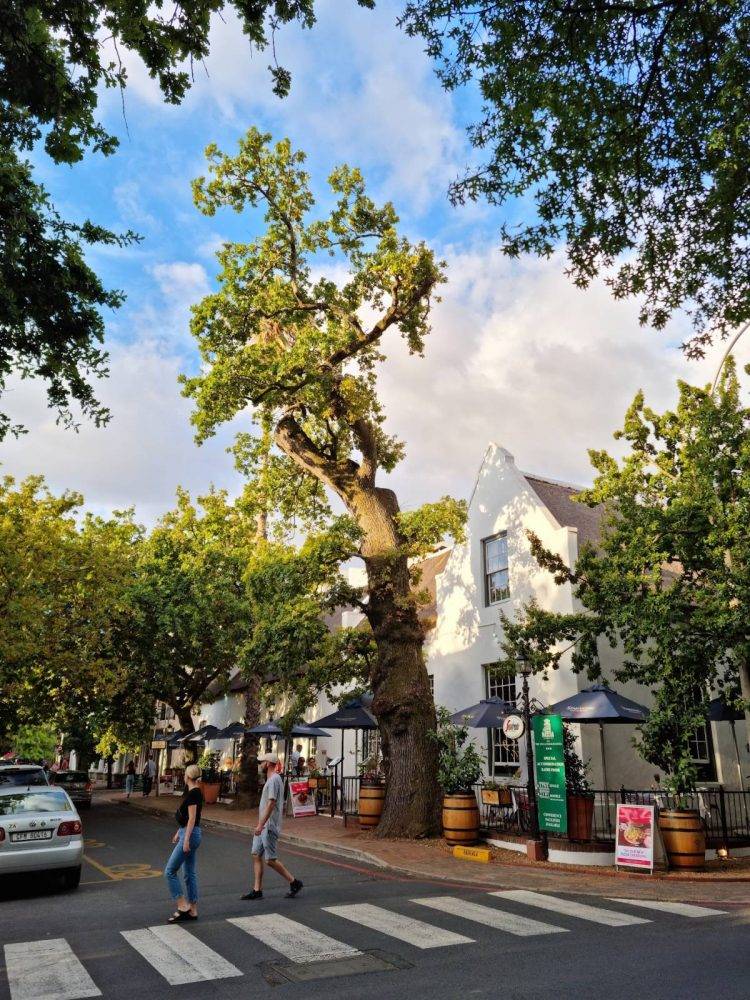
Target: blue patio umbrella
203,735
234,731
603,706
486,714
313,732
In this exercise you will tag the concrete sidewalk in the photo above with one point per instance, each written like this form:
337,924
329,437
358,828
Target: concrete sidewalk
432,860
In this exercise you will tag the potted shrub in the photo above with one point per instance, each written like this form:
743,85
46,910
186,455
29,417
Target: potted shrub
579,793
210,778
313,777
459,768
371,792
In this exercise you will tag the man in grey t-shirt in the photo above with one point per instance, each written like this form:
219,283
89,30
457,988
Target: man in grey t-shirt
267,831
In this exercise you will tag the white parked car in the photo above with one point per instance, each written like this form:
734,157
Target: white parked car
40,830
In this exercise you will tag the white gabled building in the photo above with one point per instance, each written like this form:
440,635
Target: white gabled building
493,573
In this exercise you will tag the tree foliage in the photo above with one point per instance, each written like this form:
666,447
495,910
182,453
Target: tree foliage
35,743
54,65
299,351
625,123
63,601
189,614
670,577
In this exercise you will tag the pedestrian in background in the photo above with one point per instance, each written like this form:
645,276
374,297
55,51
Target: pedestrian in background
149,773
187,840
267,831
129,779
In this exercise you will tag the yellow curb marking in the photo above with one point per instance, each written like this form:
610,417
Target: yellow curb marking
472,854
94,843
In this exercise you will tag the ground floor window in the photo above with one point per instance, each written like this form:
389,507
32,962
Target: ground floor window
504,755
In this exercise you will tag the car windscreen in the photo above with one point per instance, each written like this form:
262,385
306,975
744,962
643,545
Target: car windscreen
15,803
70,778
34,776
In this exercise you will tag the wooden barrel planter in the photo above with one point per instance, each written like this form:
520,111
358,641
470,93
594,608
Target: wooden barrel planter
461,818
371,799
684,838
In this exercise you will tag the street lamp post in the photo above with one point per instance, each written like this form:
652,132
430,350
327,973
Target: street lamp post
524,669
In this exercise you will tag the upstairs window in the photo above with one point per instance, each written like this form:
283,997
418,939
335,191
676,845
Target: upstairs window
495,559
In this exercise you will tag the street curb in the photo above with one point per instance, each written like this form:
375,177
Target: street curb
364,857
351,853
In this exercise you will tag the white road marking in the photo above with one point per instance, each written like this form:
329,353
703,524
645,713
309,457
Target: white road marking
681,909
414,932
570,908
500,920
179,956
47,970
295,941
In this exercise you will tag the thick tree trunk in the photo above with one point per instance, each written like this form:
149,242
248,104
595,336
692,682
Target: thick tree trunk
248,790
403,704
185,718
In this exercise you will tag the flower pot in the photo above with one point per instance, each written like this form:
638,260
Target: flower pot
490,796
580,817
461,818
684,838
210,791
371,799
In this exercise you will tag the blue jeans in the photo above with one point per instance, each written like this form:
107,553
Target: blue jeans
179,859
129,783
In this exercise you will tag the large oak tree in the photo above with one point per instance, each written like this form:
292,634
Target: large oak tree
284,342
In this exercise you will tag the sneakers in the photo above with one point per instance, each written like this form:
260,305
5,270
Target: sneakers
294,887
255,894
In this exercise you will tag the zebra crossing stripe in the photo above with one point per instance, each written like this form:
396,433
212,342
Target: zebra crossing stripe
500,920
407,929
47,970
680,909
178,956
294,941
570,908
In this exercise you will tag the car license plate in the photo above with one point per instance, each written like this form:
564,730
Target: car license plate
31,835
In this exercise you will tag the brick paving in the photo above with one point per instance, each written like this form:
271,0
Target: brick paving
432,860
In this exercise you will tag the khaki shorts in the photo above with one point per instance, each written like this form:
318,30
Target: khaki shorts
265,844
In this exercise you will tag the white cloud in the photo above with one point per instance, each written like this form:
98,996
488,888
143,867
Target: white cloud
518,355
140,457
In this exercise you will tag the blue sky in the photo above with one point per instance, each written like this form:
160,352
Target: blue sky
517,355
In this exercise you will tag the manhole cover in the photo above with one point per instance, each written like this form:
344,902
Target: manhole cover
277,973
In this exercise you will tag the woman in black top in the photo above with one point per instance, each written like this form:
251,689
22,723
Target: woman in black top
187,841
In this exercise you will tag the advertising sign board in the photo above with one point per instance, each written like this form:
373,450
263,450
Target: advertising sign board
513,727
634,847
303,800
549,766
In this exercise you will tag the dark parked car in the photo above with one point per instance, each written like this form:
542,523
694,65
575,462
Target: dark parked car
26,775
76,784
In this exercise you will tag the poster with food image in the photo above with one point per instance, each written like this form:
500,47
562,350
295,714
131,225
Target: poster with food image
303,800
634,847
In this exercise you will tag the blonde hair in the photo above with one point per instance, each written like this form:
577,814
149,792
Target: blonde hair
193,772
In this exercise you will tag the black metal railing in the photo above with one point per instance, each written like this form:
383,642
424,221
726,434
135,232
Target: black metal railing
725,814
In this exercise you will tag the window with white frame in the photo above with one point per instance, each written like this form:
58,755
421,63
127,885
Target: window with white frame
504,755
702,753
431,682
495,568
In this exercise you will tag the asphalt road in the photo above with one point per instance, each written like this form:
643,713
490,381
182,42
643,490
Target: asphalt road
72,944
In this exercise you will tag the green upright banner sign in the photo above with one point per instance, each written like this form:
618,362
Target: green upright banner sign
551,794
